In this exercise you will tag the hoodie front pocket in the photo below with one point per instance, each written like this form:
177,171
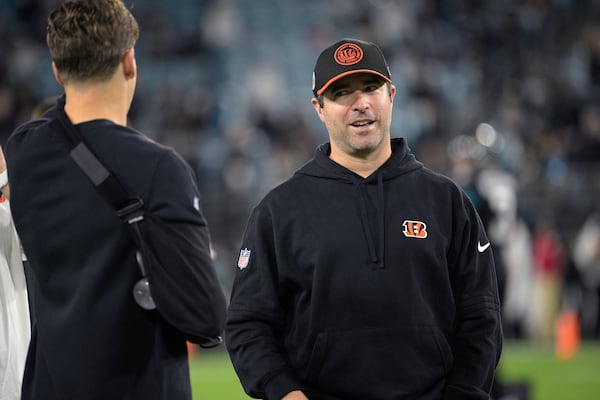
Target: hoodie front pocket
379,363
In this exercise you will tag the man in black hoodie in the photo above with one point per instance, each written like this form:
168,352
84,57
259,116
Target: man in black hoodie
365,275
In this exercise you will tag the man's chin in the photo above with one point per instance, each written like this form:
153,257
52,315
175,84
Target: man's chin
364,151
365,147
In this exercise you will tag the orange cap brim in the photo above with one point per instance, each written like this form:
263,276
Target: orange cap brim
355,71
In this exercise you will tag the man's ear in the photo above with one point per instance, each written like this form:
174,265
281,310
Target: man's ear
129,65
318,107
57,76
392,91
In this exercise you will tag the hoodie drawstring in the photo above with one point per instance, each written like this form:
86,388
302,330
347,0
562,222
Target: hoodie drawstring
381,219
375,256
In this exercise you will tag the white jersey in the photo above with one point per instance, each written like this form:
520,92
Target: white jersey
14,308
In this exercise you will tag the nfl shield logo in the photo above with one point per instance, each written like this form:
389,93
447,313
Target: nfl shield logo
244,258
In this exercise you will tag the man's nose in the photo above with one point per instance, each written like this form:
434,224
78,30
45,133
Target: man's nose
361,101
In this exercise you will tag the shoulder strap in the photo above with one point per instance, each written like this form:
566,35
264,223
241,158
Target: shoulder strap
128,207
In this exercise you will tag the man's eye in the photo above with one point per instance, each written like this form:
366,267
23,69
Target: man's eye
340,93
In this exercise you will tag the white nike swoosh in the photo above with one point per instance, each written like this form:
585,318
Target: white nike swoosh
483,248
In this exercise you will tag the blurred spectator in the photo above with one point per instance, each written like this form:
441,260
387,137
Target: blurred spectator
549,259
586,258
513,247
15,322
494,194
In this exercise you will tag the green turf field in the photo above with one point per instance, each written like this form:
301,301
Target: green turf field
549,379
213,377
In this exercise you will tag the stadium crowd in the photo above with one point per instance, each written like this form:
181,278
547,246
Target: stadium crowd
504,96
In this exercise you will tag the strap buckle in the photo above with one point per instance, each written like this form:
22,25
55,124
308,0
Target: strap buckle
133,211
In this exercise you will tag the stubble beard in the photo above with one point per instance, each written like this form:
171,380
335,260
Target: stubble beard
363,145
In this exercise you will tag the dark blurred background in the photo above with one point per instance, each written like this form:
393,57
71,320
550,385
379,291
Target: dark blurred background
503,96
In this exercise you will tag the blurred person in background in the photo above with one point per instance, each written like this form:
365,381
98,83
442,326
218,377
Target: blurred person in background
549,260
509,232
494,194
586,259
14,304
90,339
365,275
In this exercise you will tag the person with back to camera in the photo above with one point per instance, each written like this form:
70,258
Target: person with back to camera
90,339
365,275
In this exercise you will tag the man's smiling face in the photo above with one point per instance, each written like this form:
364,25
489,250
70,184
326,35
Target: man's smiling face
357,112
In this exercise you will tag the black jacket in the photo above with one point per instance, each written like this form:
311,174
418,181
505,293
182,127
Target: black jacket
90,339
370,289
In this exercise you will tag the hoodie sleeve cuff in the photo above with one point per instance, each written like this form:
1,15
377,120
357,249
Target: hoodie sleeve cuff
280,385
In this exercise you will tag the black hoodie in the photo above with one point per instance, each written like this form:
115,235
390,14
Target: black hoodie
370,289
90,340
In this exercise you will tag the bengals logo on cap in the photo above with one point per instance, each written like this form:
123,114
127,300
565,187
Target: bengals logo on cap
348,54
415,229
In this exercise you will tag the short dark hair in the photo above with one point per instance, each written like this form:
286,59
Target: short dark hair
88,38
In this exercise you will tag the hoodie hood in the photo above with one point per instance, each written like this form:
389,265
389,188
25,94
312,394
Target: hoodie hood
401,162
373,221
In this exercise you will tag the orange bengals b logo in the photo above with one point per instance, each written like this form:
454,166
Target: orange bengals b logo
415,229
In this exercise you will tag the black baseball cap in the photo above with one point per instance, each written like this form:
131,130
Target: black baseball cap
346,57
